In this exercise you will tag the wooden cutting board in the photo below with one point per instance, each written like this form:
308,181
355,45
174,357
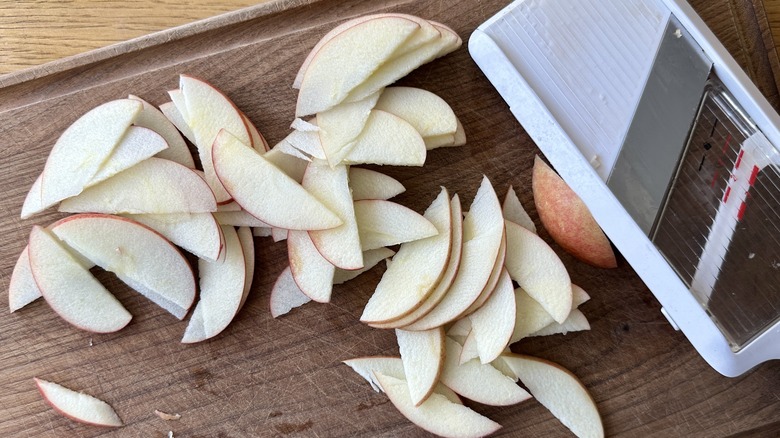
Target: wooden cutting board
266,377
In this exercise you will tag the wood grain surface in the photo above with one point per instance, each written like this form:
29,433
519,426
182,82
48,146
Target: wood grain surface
266,377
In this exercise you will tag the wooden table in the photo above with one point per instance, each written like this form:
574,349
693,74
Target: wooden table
282,378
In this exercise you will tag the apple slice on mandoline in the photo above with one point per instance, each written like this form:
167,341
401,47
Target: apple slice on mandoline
155,120
568,220
483,231
370,184
387,139
538,270
153,186
493,324
422,354
69,288
312,272
265,191
221,291
415,270
560,391
385,223
78,406
349,58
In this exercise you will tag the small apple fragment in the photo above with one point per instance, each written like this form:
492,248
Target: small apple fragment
136,145
371,258
340,126
238,218
492,282
561,392
568,220
428,113
576,322
155,120
385,223
171,112
78,406
493,323
370,184
286,295
387,139
247,242
514,211
437,414
197,233
422,354
22,289
312,272
70,289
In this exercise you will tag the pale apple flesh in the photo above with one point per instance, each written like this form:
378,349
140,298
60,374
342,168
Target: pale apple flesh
370,184
514,211
494,322
286,295
155,120
385,223
197,233
77,405
312,272
422,354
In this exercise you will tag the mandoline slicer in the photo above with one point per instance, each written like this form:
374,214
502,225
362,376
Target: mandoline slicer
648,118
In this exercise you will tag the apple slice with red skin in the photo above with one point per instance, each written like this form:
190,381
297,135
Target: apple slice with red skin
265,191
422,354
385,223
197,233
22,289
69,288
494,322
311,271
568,220
370,184
78,406
155,120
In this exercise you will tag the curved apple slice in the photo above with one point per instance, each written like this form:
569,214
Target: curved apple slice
221,291
428,113
514,211
470,350
494,322
422,354
560,391
385,223
437,414
370,184
266,192
387,139
22,289
286,295
69,288
155,120
291,166
196,233
139,256
481,383
576,322
483,230
77,405
341,125
238,218
490,286
369,44
416,269
172,113
371,258
538,270
311,271
153,186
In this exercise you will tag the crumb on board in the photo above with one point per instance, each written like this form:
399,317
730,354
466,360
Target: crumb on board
166,416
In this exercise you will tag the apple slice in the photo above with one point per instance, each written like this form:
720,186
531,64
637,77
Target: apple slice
279,234
459,330
196,233
291,166
307,145
155,120
370,184
259,143
558,390
82,149
514,211
312,272
538,270
492,282
247,242
340,245
140,257
470,349
221,291
437,414
416,269
494,322
422,354
371,258
385,223
331,74
238,218
483,231
78,406
387,139
286,295
171,112
453,263
152,186
261,232
266,192
428,113
438,141
576,322
479,382
70,289
531,316
137,145
22,289
568,220
341,125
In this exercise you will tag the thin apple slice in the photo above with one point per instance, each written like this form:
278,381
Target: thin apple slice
139,256
286,295
341,125
422,354
460,135
514,211
494,322
538,270
172,113
416,269
22,289
247,242
136,145
238,218
368,45
197,233
483,231
291,166
69,288
479,382
492,282
385,223
568,219
370,184
78,406
153,186
470,350
438,141
155,120
266,192
366,367
259,143
561,392
387,139
428,113
576,322
453,263
437,414
371,258
82,149
312,272
221,291
340,245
